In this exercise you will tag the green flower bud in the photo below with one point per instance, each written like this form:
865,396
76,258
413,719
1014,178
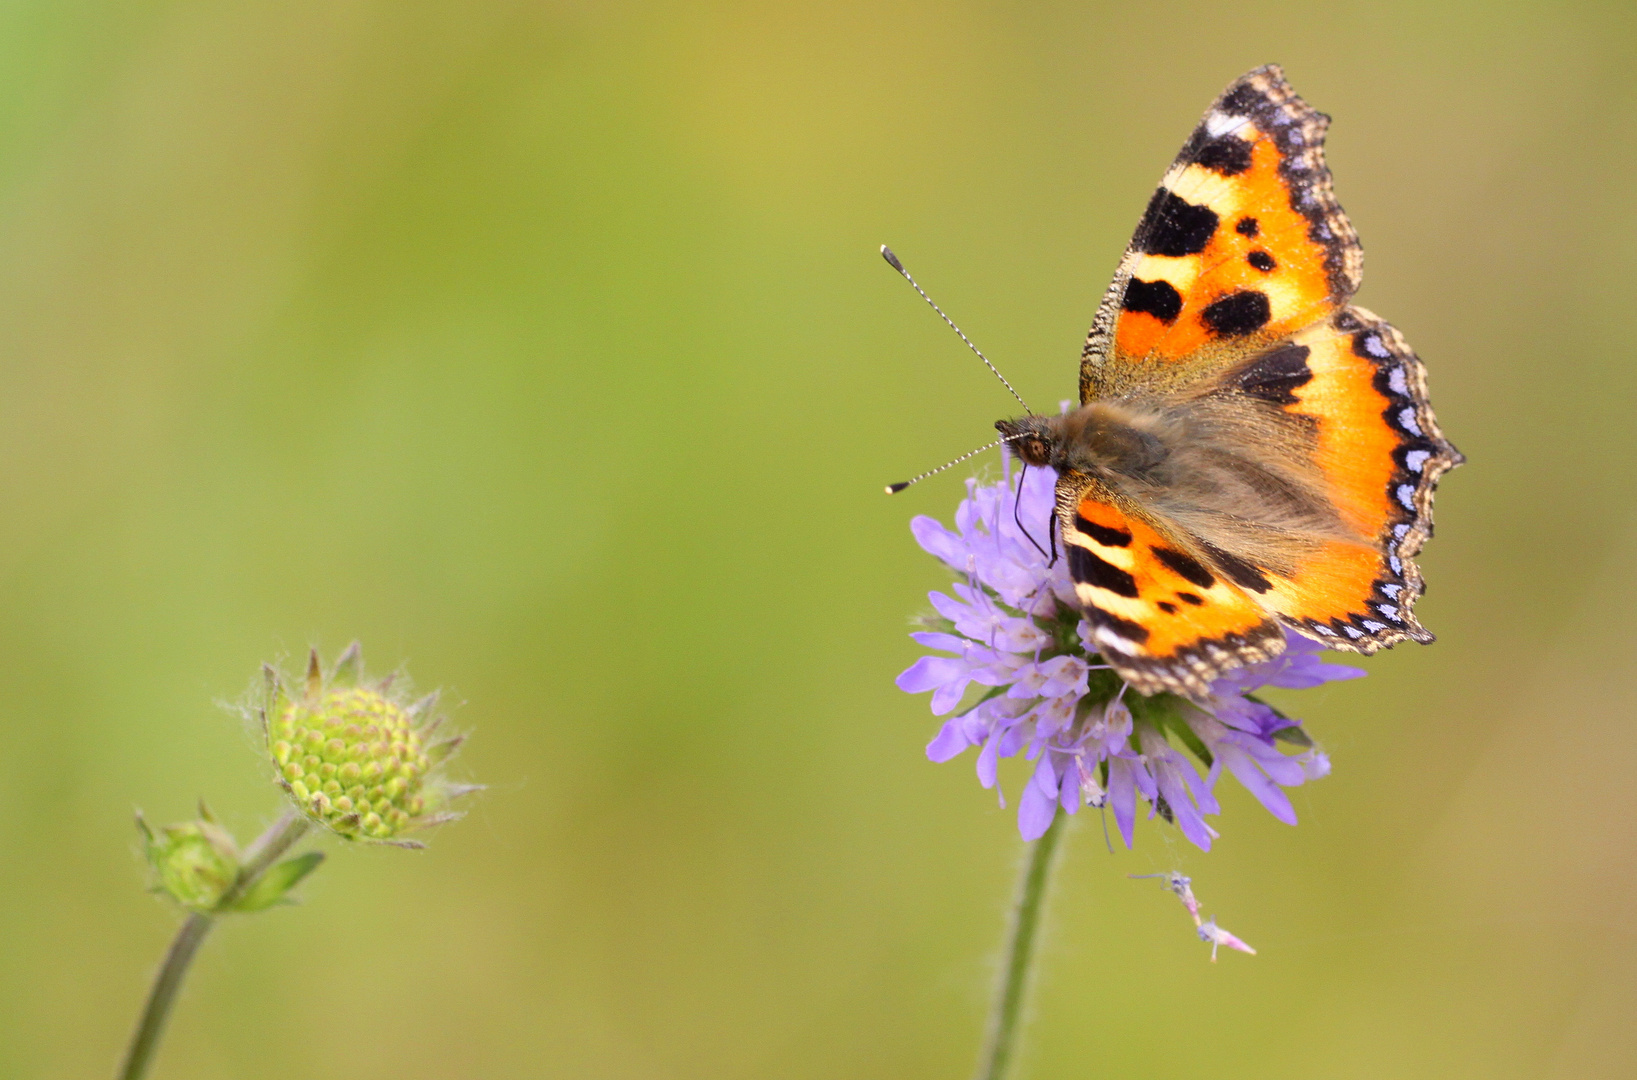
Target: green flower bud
359,759
195,862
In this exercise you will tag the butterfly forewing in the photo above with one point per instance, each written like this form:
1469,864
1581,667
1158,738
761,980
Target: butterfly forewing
1242,243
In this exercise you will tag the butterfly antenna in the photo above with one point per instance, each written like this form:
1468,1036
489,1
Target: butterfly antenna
892,260
893,489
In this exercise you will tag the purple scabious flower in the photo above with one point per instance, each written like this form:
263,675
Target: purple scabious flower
1011,644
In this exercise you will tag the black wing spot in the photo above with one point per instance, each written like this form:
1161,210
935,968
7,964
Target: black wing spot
1102,533
1087,567
1274,375
1127,629
1261,260
1186,565
1225,156
1243,100
1238,571
1238,314
1174,226
1167,607
1190,598
1248,226
1157,298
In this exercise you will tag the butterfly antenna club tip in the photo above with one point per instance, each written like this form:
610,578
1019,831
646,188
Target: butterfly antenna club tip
893,489
892,260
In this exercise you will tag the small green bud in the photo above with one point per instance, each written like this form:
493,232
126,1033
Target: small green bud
357,758
195,862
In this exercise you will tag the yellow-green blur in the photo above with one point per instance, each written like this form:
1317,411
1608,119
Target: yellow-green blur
545,347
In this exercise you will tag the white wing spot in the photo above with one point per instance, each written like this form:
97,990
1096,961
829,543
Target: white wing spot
1388,611
1415,460
1396,563
1397,382
1406,496
1373,626
1406,420
1392,590
1220,123
1350,632
1109,639
1373,346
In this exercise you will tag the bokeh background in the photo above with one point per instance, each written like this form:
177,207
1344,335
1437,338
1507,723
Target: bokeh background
545,347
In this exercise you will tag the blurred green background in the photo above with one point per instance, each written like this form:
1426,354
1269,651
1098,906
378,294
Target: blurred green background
545,347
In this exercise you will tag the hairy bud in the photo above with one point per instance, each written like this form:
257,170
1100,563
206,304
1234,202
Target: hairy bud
358,759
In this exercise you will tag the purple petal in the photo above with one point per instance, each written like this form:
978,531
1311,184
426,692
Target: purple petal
1122,794
1187,815
996,674
1246,715
931,672
1035,811
939,541
944,642
947,696
1012,740
988,764
949,608
1257,783
950,742
1068,791
1045,777
1306,672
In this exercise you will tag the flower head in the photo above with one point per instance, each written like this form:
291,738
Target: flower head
1011,628
360,760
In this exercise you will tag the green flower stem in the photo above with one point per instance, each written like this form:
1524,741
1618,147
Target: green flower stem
261,854
1006,1016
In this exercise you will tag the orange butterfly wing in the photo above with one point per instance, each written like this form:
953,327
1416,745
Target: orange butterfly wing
1242,244
1159,614
1381,453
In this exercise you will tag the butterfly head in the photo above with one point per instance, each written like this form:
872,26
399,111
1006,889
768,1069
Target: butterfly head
1033,438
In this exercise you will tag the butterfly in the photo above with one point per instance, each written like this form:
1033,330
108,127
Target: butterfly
1251,452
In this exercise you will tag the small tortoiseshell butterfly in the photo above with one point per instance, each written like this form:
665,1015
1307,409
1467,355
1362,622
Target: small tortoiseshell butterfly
1251,452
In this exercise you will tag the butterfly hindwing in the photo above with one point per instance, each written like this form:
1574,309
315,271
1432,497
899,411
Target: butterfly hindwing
1242,244
1380,452
1159,615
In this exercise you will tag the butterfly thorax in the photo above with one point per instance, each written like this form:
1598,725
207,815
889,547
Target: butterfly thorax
1227,469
